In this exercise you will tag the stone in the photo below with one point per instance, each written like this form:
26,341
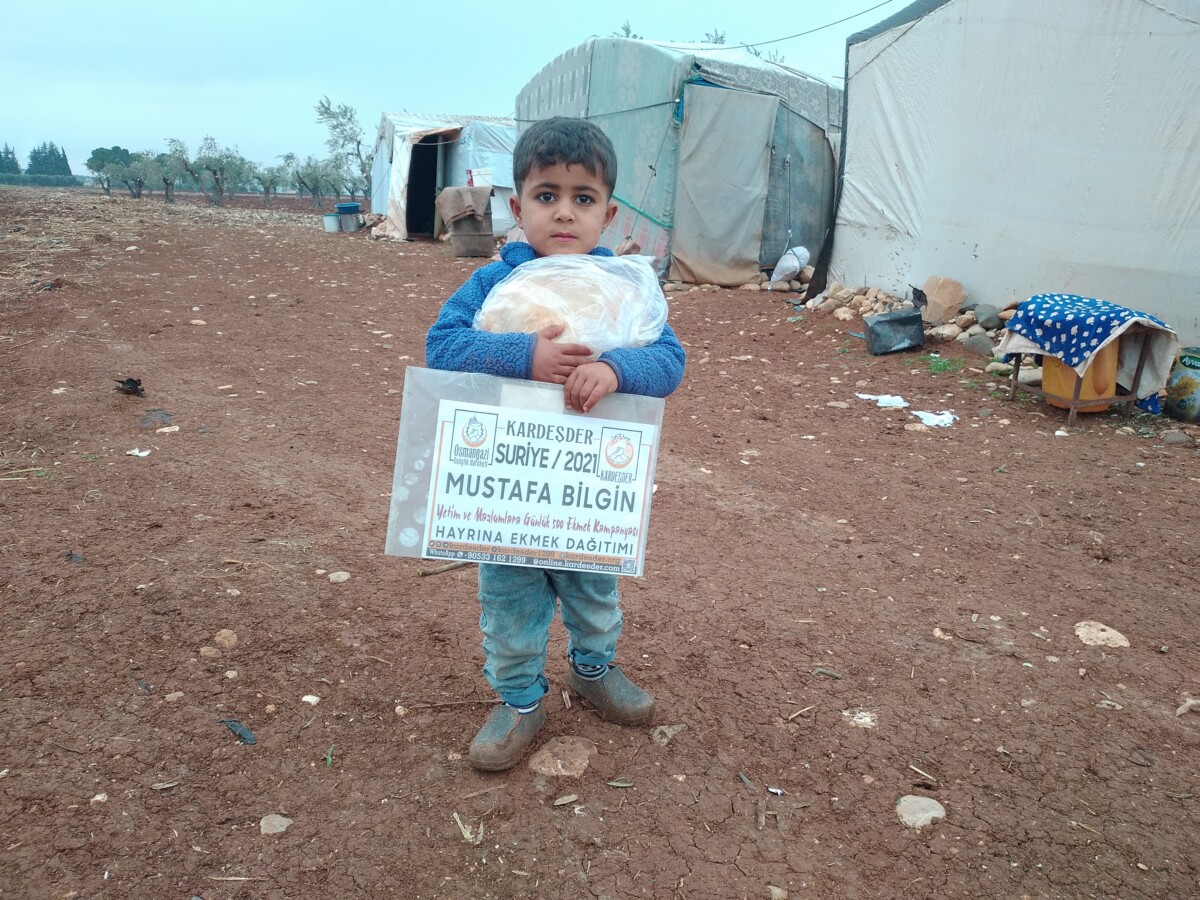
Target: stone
998,368
976,329
980,344
174,696
987,315
565,756
776,893
669,288
845,295
1097,634
210,653
1005,314
917,812
339,577
965,320
225,639
944,334
872,293
751,287
844,314
806,274
662,734
274,824
829,304
796,284
945,297
1176,437
1031,375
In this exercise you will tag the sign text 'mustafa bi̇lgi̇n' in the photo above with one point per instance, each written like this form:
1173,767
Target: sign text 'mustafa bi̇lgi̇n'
522,487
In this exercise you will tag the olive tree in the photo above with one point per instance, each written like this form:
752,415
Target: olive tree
214,169
346,140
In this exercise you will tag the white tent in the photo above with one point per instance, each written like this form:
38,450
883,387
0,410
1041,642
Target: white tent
416,156
724,160
1025,148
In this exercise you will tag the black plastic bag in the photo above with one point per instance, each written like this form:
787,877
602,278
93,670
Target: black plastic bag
889,332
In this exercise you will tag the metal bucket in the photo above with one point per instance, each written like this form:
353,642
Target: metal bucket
472,236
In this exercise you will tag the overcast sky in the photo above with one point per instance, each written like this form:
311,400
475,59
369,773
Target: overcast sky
248,72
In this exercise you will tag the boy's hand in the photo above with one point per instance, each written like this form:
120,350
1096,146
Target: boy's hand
589,383
555,362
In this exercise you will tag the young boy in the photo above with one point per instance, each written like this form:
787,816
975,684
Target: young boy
564,171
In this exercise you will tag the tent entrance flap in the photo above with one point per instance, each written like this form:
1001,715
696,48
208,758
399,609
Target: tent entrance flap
721,193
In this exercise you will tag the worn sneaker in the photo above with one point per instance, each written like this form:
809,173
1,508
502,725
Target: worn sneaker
615,697
505,737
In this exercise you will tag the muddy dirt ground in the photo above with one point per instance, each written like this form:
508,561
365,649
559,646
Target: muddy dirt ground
837,607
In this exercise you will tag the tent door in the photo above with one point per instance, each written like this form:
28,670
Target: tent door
721,186
424,181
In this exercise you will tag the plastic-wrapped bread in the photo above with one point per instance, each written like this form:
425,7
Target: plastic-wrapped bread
605,302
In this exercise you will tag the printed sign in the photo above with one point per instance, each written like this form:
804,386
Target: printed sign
518,485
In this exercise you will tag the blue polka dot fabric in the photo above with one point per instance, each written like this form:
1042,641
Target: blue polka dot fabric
1073,328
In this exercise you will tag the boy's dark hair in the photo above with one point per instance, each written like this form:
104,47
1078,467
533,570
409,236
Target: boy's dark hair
563,140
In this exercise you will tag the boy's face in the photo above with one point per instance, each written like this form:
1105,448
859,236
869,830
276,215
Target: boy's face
563,209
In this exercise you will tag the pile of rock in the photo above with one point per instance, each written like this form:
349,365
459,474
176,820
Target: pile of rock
947,313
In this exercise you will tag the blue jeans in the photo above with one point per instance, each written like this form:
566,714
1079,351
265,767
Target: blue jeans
518,606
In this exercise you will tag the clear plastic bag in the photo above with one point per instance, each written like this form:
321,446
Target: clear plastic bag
605,302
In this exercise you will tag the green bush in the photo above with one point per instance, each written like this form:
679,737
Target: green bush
42,180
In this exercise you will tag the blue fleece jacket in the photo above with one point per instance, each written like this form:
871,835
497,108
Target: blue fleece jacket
454,344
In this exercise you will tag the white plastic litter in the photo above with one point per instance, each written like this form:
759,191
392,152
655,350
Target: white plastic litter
943,419
884,400
136,452
605,302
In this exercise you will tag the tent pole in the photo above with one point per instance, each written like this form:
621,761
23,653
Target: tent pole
438,183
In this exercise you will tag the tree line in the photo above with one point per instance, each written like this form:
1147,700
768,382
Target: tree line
214,170
47,166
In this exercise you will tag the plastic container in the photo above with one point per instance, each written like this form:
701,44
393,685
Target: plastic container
350,222
349,208
1183,388
1099,380
332,222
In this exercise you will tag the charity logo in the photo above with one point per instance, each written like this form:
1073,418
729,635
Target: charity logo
619,451
472,438
474,434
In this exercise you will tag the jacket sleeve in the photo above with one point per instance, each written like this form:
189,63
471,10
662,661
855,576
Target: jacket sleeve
454,344
654,370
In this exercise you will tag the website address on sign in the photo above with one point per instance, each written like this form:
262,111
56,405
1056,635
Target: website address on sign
520,556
